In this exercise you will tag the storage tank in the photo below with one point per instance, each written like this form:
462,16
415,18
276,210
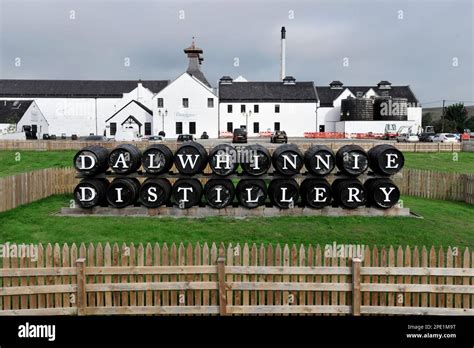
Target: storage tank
388,108
357,109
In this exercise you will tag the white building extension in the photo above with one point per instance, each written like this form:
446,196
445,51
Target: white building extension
21,119
267,106
329,108
79,107
134,116
188,105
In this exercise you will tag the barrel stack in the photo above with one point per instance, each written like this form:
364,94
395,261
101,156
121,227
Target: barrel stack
248,176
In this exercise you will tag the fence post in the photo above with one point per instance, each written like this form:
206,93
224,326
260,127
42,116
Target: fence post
81,286
222,290
356,297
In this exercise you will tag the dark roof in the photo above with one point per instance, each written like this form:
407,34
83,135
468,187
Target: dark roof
335,82
11,111
131,101
327,95
384,82
303,92
131,118
200,76
74,88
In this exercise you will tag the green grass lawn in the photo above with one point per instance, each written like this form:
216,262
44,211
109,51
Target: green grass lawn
13,162
32,160
444,223
460,162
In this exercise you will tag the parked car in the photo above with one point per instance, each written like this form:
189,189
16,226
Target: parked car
426,137
279,137
154,138
185,137
445,138
408,138
239,135
94,138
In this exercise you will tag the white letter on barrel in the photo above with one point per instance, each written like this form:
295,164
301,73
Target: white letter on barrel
353,192
152,194
83,194
119,194
391,160
185,195
319,158
283,196
218,190
356,162
287,158
226,161
83,162
188,159
121,159
151,156
320,191
249,196
387,194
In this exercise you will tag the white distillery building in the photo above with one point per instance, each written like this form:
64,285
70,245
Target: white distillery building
267,106
17,116
189,104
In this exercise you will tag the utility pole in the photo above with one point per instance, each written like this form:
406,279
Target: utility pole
442,119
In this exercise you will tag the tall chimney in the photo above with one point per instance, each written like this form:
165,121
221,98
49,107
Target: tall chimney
283,53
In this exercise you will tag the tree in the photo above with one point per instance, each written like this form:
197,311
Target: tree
470,123
426,119
449,126
458,114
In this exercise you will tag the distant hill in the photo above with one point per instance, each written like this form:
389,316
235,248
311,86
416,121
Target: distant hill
438,111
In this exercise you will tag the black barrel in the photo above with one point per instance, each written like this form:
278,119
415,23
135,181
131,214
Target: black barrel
123,192
125,159
157,159
316,193
382,193
386,159
190,158
223,159
219,193
348,193
287,159
92,160
187,192
251,193
91,192
284,193
155,192
352,160
319,160
255,160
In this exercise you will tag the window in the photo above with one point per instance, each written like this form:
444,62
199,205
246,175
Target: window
276,127
230,127
192,127
179,127
113,128
255,108
256,128
34,128
242,108
277,109
185,103
160,102
210,102
147,128
229,109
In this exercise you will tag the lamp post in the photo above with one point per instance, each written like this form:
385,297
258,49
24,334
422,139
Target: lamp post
163,114
247,115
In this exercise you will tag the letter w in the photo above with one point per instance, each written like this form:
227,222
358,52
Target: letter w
189,160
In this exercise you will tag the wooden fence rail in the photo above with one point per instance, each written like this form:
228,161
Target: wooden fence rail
60,145
28,187
231,280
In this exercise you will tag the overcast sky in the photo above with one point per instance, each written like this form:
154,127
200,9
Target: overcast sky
406,42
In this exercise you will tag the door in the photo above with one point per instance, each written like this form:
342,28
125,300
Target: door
322,129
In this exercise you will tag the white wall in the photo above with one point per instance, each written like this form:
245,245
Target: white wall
369,126
34,116
295,118
185,86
